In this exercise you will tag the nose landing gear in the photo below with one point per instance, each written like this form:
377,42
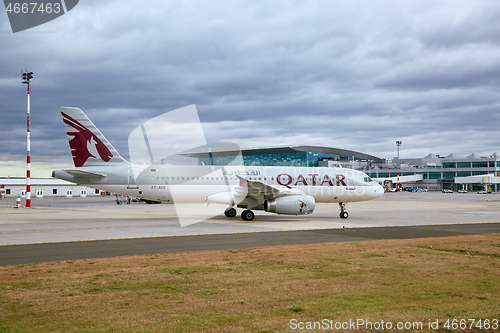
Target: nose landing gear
343,214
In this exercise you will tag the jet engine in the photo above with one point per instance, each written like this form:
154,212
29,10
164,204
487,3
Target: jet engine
291,205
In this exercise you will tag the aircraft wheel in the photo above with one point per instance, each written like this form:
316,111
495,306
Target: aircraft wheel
230,212
344,215
247,215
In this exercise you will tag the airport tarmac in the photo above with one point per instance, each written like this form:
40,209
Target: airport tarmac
96,227
98,218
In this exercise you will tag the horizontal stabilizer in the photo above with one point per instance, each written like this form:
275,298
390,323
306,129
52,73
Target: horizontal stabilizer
85,174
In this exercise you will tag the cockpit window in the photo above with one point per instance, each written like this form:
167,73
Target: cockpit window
368,180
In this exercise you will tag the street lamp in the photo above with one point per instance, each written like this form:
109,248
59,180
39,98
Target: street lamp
398,143
26,80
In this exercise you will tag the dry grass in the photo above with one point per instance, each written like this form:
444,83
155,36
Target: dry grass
257,290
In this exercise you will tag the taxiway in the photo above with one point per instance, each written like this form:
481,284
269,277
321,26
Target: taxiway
77,228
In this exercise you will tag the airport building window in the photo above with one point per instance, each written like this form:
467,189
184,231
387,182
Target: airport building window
478,173
7,191
477,187
463,173
479,164
492,164
54,191
449,165
313,158
97,191
294,158
448,175
424,174
434,175
463,164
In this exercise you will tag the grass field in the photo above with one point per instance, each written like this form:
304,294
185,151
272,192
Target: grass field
269,289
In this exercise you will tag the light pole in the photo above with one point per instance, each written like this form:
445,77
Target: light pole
26,79
398,143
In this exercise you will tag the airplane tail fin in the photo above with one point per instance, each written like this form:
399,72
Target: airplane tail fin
88,145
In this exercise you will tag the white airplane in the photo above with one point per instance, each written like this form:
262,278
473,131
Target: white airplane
280,190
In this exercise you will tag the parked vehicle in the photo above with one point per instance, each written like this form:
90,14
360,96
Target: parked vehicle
462,191
447,190
120,199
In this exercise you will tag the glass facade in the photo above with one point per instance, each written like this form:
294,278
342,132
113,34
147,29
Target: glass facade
424,174
434,175
293,158
480,164
448,175
449,165
314,158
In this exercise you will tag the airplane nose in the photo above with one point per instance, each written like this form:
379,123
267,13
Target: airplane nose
379,191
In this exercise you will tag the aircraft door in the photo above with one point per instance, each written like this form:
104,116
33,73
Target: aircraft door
350,181
133,174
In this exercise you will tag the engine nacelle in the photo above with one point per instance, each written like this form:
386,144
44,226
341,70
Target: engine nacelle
291,205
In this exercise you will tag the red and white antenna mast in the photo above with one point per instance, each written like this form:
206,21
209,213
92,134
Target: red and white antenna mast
26,79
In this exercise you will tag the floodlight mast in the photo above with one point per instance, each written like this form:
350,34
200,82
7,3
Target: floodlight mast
27,76
399,143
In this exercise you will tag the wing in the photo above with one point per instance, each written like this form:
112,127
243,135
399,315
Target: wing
254,191
261,191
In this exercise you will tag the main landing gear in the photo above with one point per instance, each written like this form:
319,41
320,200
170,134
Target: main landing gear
343,214
230,212
246,215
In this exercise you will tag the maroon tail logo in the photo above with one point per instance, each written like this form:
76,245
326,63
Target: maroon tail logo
84,143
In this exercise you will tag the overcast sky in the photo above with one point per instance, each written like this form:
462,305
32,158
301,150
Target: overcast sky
350,74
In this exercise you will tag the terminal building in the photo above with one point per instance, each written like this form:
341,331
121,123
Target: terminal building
296,156
432,172
471,173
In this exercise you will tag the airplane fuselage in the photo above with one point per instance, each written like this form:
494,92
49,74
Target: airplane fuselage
195,183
